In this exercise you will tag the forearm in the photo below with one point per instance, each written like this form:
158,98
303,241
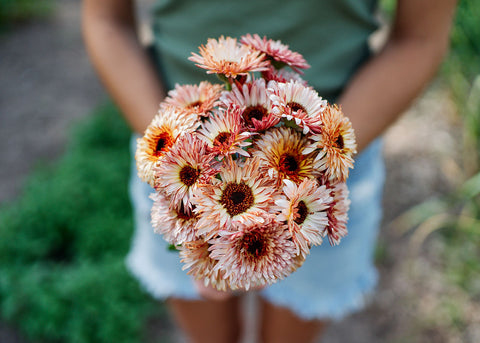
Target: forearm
385,87
123,66
388,84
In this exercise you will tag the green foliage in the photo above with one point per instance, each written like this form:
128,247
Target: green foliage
463,239
387,7
457,217
84,302
465,40
62,274
462,72
463,255
15,11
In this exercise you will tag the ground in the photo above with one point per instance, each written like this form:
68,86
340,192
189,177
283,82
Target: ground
47,84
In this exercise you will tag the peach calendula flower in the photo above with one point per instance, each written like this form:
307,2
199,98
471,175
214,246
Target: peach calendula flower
281,153
241,194
335,145
196,258
175,223
304,207
255,255
337,213
227,57
159,137
223,133
184,166
199,99
279,54
254,103
297,103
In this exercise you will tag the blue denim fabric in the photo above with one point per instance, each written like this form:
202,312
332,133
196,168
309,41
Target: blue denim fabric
333,281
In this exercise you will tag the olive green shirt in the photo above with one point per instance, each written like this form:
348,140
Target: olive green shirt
332,35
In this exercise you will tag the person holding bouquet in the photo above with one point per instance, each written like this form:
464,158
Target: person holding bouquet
373,89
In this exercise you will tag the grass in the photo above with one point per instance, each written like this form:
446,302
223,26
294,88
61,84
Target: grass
18,11
62,275
461,71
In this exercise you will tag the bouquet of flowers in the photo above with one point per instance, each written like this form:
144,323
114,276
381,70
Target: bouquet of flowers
248,174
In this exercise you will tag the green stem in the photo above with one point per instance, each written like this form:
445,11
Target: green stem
226,81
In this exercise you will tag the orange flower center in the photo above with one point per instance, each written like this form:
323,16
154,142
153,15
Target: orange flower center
237,198
301,213
195,104
164,142
189,175
295,106
257,112
222,138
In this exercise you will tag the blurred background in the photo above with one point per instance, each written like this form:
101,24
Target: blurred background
65,221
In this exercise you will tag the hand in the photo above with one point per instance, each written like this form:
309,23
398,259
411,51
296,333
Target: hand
211,293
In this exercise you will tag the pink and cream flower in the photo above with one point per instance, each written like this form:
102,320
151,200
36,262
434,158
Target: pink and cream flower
335,145
281,153
199,99
223,133
227,57
304,208
255,255
159,138
187,164
240,195
298,103
337,213
278,53
175,223
255,105
196,258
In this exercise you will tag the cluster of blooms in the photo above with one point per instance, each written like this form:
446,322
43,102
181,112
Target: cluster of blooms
249,175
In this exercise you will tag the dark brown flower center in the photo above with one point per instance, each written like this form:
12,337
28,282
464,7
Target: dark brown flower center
164,142
183,213
257,112
160,145
237,198
222,138
289,166
288,163
339,142
254,245
302,213
295,106
189,175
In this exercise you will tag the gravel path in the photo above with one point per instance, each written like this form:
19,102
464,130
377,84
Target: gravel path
47,84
